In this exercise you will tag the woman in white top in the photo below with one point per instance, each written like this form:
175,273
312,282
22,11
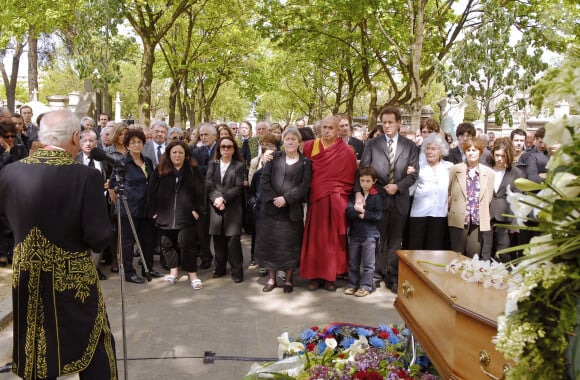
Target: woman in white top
428,220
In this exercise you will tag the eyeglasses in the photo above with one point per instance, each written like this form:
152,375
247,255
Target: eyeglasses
226,146
177,138
9,136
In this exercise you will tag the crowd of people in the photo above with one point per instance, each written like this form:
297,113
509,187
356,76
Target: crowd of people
316,199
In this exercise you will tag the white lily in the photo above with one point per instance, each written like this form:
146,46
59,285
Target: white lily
285,346
519,209
359,346
331,343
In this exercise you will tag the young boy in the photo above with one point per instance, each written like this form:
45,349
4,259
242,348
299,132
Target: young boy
363,235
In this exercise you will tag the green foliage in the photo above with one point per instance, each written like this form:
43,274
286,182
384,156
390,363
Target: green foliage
230,104
38,16
59,78
560,82
492,68
21,92
540,322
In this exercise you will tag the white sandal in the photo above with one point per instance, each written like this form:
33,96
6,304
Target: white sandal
170,280
197,284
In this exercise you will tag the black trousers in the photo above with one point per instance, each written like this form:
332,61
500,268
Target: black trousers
204,238
428,232
228,249
147,235
391,228
176,244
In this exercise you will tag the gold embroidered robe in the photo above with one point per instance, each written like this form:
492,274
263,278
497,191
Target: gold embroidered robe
56,211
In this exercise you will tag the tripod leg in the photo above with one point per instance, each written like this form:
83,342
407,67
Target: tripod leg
145,267
122,274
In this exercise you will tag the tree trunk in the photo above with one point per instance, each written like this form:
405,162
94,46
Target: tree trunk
373,111
173,94
338,98
33,65
10,82
145,84
415,108
351,94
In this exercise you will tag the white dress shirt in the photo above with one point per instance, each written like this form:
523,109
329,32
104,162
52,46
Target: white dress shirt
87,159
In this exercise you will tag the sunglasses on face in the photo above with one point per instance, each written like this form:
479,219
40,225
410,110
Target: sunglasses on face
226,146
177,138
9,136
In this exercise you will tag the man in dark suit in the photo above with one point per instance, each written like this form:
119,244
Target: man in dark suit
155,148
392,157
30,129
345,132
204,154
465,132
88,140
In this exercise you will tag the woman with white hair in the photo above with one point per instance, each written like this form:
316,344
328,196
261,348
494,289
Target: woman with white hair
428,220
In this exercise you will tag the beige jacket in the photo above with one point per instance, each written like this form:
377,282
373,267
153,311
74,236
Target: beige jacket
458,196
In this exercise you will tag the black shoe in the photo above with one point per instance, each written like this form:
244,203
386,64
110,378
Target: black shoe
393,287
135,279
288,288
217,275
237,280
205,264
268,287
156,274
101,275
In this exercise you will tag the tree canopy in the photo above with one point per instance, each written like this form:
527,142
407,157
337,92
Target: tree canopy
298,58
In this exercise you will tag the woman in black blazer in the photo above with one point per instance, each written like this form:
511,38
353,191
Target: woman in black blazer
501,161
138,171
285,182
175,199
224,180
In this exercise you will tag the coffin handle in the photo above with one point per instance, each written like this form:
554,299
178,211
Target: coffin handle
408,289
484,360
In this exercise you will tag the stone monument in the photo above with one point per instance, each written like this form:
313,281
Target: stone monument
452,113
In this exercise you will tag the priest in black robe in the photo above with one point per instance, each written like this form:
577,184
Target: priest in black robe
55,209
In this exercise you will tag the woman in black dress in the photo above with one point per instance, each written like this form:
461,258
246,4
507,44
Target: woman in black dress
224,180
284,185
176,198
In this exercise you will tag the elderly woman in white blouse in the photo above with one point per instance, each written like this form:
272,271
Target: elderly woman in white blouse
428,227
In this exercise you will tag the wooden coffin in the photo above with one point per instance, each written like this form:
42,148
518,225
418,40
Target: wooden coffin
453,320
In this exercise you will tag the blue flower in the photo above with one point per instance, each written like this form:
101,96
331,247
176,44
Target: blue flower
347,342
364,332
321,348
393,339
383,327
307,335
375,341
423,361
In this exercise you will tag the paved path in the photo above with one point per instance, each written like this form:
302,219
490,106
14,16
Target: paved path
169,328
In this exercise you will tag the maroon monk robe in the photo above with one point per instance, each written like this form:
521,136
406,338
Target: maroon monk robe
324,251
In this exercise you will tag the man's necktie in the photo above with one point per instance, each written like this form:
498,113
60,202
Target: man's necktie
91,163
158,153
391,155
